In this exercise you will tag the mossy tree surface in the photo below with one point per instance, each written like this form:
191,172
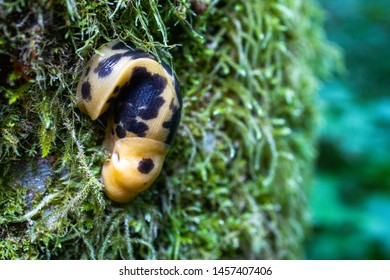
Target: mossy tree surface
233,185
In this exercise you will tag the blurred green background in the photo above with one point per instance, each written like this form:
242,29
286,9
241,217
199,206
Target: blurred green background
350,198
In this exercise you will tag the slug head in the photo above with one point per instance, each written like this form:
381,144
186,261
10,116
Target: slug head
134,165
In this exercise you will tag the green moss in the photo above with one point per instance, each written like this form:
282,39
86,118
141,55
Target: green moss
233,185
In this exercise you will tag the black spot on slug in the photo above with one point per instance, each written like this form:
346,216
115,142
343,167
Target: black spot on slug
136,127
145,165
151,111
87,71
119,46
172,124
120,131
86,91
137,54
106,66
140,97
172,105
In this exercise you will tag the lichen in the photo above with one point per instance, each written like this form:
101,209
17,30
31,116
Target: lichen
234,183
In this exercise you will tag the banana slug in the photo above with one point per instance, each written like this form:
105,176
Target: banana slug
144,100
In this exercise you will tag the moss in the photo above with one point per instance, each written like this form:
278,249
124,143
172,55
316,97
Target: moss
234,183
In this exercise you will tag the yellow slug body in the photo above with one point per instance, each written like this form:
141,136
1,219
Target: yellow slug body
144,98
